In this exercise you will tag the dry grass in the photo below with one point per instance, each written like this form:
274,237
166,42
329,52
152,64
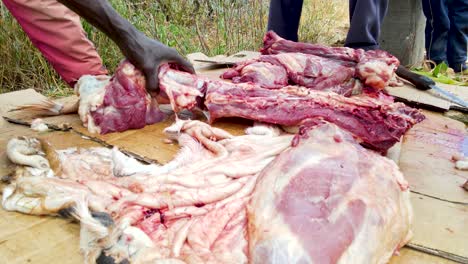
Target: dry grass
210,26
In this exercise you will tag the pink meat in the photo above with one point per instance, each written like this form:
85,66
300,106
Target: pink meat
126,103
375,67
377,124
314,72
322,202
180,88
266,74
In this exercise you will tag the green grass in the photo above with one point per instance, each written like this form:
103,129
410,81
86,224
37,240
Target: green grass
209,26
442,73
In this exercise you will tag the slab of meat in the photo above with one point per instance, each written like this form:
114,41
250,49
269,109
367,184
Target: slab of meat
314,72
121,102
376,68
196,209
377,124
328,200
116,104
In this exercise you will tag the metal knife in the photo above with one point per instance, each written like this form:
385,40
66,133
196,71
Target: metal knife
450,96
222,63
422,82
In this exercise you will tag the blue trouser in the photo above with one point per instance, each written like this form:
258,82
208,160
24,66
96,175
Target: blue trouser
366,16
446,31
284,18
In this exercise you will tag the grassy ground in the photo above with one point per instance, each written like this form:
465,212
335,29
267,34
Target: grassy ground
210,26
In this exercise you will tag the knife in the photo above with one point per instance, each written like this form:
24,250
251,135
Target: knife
223,63
425,83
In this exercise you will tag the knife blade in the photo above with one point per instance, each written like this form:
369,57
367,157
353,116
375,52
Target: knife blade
223,63
450,96
425,83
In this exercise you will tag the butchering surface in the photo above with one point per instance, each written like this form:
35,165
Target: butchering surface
198,208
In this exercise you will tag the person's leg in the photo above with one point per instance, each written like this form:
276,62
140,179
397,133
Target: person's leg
437,28
458,34
284,18
366,17
57,32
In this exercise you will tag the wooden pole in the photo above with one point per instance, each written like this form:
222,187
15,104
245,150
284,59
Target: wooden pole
402,32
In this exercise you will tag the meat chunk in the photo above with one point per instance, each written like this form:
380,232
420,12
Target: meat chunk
322,202
375,68
183,90
314,72
377,124
104,104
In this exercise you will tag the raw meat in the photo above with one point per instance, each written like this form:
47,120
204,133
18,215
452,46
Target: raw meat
377,124
183,90
116,104
376,68
314,72
322,202
195,208
107,104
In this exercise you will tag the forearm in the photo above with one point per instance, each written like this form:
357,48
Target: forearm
144,53
102,15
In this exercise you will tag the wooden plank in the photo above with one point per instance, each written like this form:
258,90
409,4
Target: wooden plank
440,225
428,99
426,158
411,256
45,240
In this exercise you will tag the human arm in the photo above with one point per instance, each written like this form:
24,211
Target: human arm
143,52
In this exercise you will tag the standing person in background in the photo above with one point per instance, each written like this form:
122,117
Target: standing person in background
366,17
446,32
54,27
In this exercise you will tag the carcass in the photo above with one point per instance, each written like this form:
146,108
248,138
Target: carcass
375,123
328,200
223,199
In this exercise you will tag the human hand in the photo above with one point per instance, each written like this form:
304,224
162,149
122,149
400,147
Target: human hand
148,54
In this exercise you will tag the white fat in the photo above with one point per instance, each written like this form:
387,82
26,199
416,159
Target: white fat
462,164
39,125
45,173
26,152
132,241
173,131
126,166
7,192
263,130
91,90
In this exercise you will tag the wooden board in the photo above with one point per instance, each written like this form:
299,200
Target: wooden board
430,100
426,158
440,225
411,256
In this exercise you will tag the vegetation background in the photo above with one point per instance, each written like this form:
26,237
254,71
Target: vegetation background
209,26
